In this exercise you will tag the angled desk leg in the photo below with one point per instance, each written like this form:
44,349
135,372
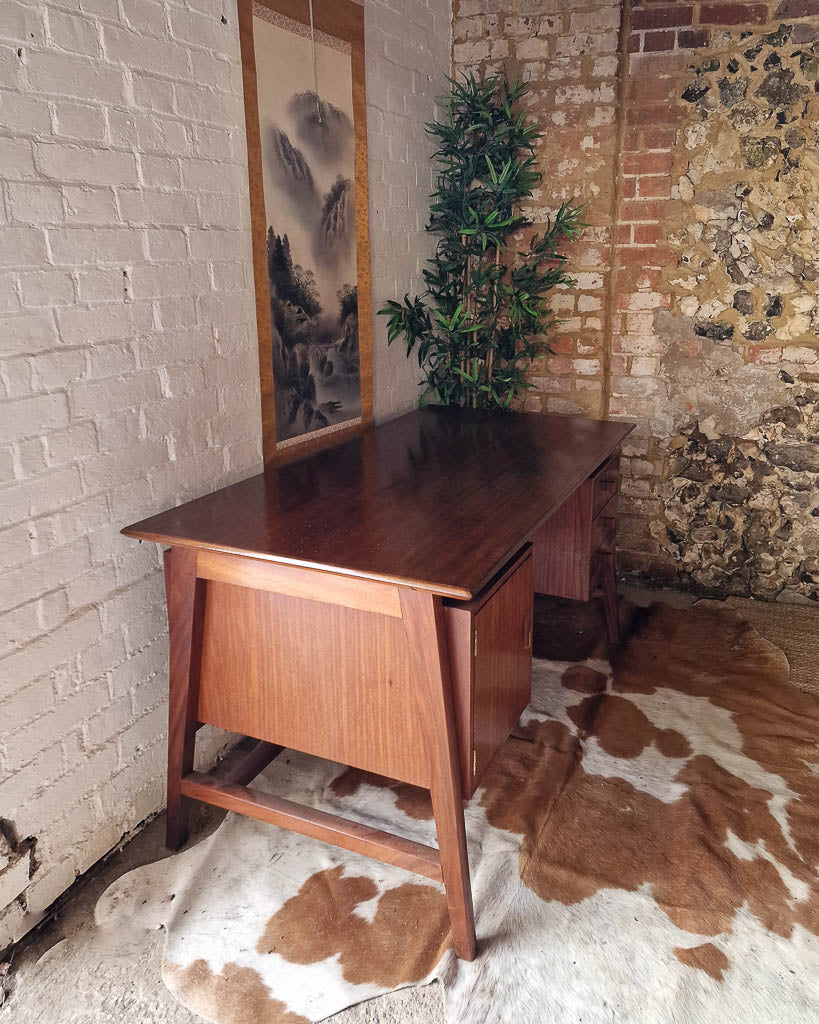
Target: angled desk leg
186,613
605,587
608,584
423,614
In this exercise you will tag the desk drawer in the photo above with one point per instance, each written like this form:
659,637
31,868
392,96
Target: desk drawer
605,484
603,533
585,525
491,659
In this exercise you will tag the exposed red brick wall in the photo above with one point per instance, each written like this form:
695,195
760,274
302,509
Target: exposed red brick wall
607,89
569,54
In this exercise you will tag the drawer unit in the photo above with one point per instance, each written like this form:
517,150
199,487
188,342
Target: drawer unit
573,543
603,530
605,484
490,645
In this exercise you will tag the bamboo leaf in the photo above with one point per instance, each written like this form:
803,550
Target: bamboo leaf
485,307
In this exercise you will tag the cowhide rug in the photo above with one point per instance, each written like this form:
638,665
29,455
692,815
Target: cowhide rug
647,855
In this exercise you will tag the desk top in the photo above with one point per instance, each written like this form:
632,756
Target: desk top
440,498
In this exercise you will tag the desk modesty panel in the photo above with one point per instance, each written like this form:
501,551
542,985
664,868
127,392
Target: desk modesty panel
439,499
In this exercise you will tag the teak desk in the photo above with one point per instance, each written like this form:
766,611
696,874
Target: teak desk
372,604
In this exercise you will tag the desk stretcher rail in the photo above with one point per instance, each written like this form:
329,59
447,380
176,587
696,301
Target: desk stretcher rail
351,835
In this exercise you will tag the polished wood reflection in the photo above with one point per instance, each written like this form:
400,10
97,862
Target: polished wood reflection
440,498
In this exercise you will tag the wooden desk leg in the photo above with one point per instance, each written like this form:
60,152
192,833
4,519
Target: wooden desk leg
426,632
608,587
186,605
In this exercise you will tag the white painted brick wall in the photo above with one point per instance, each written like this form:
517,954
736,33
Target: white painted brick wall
128,367
409,53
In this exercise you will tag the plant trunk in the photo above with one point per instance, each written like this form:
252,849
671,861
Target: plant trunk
466,308
490,358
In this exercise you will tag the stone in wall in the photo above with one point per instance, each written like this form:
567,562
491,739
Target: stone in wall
741,507
743,512
750,187
710,381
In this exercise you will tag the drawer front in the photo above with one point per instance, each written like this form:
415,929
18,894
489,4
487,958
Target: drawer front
502,666
583,525
605,484
603,532
601,563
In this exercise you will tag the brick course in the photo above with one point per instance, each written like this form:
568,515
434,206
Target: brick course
623,154
570,59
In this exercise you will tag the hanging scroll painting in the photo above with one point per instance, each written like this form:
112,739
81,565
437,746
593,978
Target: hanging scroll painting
307,157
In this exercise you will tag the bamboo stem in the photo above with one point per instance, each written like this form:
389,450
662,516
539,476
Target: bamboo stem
466,306
490,359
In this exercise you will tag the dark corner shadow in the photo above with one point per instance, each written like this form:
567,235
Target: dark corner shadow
567,630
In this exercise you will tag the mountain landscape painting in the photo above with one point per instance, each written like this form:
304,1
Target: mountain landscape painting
307,146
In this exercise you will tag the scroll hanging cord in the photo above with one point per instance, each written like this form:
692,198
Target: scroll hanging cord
315,64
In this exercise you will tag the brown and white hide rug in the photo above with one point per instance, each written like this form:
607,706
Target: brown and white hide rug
648,855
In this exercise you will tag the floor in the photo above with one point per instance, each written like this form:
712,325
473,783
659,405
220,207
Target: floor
794,628
70,974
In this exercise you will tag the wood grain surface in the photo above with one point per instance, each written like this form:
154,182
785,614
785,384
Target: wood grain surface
439,499
328,680
427,644
308,821
490,655
503,667
327,587
186,610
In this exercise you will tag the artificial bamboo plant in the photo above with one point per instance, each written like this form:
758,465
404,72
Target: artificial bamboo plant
485,312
